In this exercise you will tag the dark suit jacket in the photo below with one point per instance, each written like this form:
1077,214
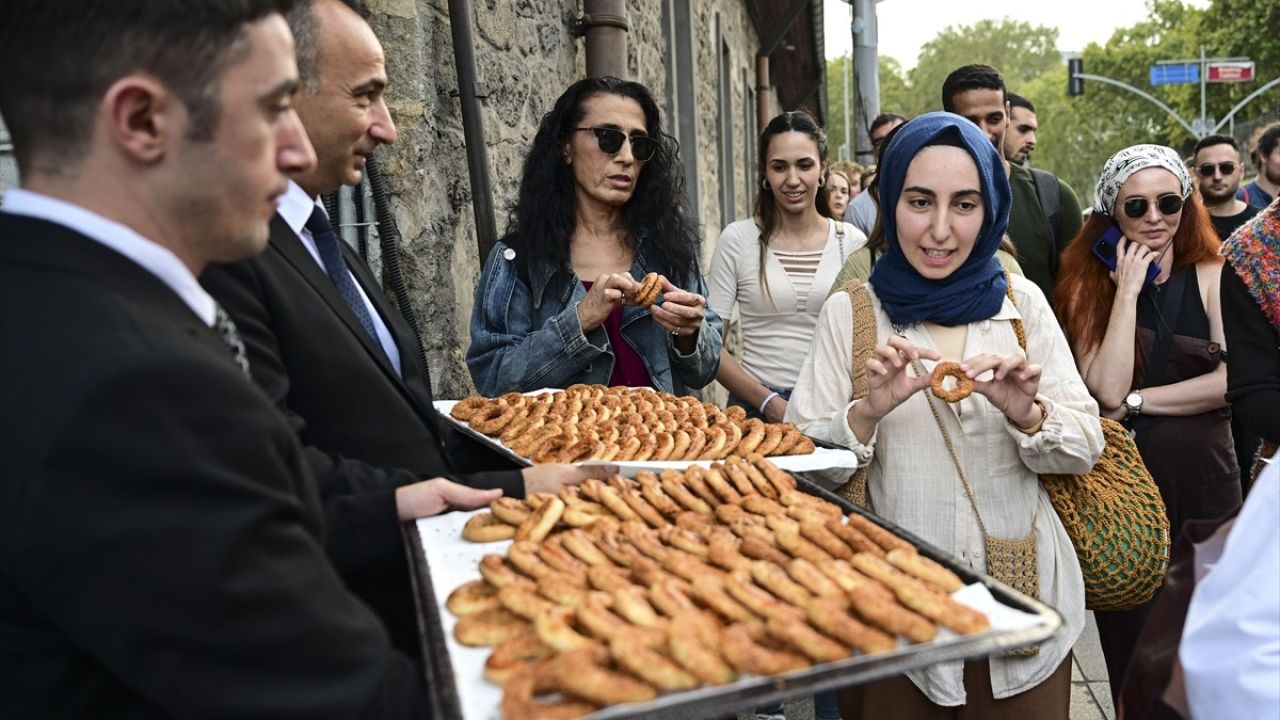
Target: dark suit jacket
160,538
365,429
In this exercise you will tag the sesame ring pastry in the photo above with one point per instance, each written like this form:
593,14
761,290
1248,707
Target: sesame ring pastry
485,527
466,408
472,597
944,370
489,627
647,293
540,522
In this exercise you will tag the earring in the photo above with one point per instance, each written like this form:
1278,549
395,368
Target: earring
822,181
764,183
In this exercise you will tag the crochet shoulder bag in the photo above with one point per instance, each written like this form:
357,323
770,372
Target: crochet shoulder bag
1114,516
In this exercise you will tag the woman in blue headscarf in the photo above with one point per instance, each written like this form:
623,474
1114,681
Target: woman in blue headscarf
962,475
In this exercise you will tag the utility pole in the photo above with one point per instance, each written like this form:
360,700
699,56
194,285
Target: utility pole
866,59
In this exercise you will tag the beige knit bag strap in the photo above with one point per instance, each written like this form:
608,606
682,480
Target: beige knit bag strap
864,341
1018,330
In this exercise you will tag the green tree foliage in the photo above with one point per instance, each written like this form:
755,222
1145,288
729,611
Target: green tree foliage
1021,51
1077,134
893,93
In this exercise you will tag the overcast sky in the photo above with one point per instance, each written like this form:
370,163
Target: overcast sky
905,25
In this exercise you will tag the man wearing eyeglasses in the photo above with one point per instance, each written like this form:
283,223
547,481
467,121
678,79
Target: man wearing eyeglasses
333,353
1218,170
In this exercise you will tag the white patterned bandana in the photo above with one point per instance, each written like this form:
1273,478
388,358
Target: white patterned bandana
1130,160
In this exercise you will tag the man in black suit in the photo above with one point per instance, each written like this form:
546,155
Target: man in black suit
161,546
329,348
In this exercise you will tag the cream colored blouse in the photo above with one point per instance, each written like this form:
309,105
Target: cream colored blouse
913,482
776,328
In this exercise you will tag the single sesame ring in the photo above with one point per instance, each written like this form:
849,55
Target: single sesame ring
648,291
963,388
484,527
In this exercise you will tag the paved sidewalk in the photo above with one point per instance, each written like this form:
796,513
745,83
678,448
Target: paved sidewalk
1090,690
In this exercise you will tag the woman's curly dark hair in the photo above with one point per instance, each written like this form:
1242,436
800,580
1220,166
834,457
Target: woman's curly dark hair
543,219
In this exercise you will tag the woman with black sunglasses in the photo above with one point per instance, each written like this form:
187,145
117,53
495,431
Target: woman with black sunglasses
1144,320
601,205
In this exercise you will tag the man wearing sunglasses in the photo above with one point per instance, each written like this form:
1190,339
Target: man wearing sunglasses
1216,165
1215,162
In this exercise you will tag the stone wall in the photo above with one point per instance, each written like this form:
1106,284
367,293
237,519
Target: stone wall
526,56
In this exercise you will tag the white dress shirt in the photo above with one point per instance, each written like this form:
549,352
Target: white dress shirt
152,257
296,207
912,480
1230,650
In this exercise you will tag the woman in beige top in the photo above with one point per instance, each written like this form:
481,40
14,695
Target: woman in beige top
777,266
938,293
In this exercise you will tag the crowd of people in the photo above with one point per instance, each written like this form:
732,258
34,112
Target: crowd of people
215,421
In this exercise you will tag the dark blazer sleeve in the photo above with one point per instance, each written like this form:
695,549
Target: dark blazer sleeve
186,558
1253,359
239,289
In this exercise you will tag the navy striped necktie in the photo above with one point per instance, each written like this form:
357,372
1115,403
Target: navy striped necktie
336,268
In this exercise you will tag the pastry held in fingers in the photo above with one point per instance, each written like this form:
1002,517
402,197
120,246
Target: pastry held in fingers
944,370
647,293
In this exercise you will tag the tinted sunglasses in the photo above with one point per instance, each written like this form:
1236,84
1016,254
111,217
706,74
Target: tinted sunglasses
1136,207
1226,168
610,141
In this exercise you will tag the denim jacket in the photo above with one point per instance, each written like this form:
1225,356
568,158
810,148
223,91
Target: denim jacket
525,333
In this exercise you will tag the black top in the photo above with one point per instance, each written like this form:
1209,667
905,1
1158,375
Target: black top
1253,360
1226,225
1191,457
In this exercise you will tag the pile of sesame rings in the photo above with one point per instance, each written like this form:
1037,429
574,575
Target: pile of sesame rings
594,422
614,592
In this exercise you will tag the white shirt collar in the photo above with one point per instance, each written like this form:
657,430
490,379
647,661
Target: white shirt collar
296,207
151,256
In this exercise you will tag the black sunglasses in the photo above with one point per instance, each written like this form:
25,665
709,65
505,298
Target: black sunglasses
610,141
1226,168
1136,207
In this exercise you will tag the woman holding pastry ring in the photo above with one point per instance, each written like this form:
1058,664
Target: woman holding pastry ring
939,294
597,280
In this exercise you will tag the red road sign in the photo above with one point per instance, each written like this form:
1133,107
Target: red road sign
1230,72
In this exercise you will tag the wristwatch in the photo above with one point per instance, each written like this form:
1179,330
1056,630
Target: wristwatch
1133,404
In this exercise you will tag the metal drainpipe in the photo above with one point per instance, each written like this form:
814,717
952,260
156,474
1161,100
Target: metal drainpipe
762,92
604,24
464,60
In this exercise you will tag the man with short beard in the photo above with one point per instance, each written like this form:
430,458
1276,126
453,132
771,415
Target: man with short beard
1045,214
1020,138
1216,163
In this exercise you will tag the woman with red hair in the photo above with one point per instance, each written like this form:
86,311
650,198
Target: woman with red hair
1138,298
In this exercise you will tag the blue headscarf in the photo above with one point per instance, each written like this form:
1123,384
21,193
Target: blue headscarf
976,290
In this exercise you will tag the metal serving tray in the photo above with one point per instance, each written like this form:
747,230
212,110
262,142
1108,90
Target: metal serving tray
826,457
750,692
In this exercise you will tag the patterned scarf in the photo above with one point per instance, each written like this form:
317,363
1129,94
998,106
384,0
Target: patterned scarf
975,291
1254,252
1130,160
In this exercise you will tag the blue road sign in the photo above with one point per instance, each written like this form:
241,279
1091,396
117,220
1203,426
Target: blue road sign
1175,74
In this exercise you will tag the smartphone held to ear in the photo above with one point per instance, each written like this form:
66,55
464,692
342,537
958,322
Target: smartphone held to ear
1105,250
